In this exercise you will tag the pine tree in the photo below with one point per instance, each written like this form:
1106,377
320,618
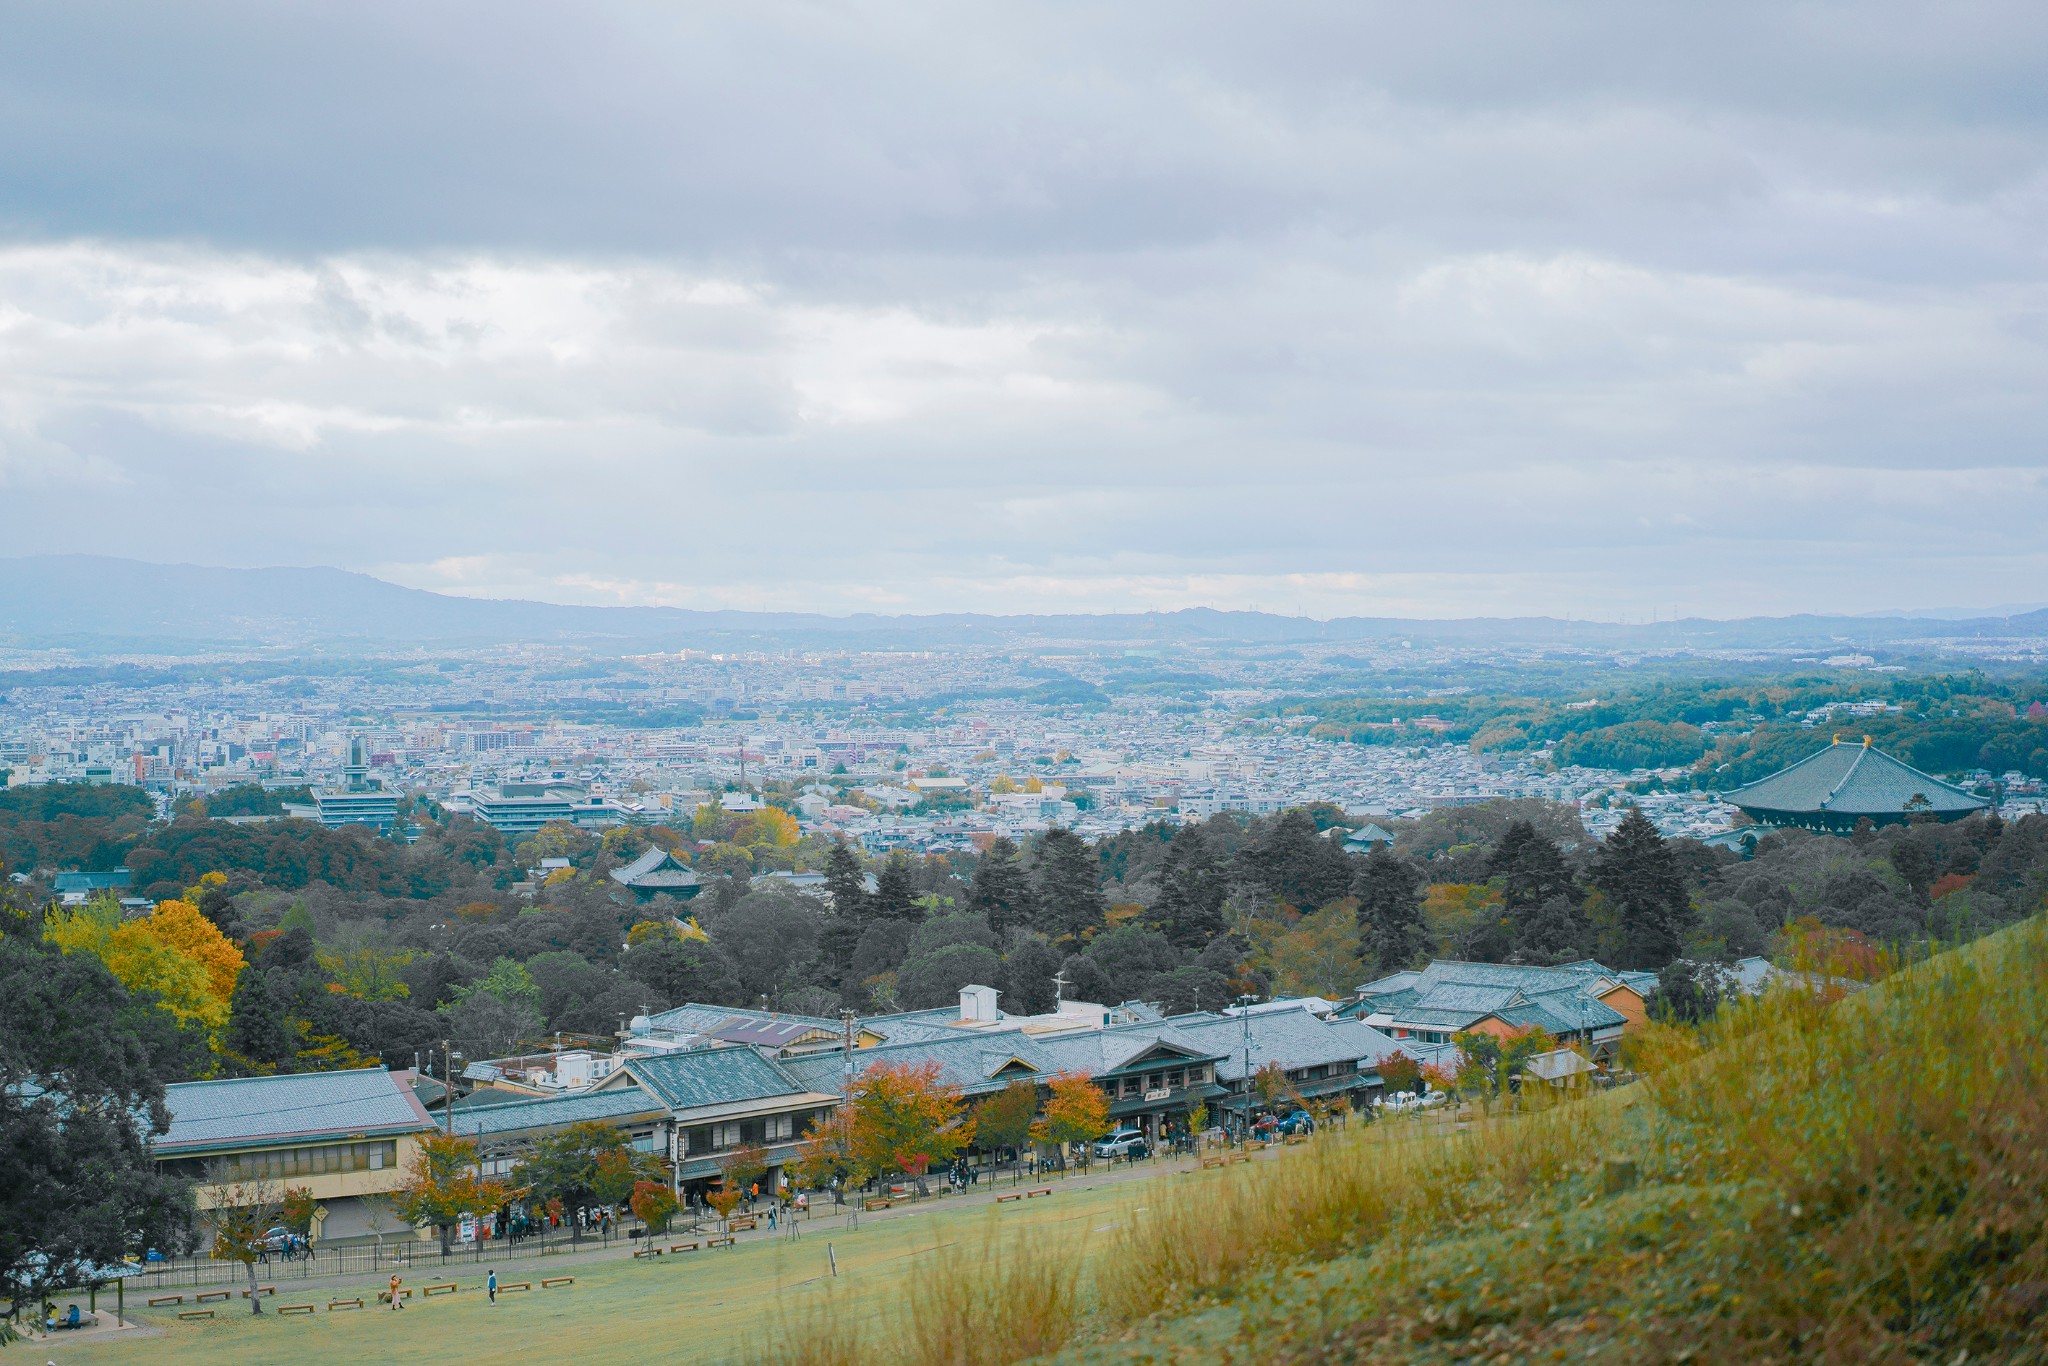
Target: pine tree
1389,892
1193,886
261,1033
1067,885
1001,890
1531,867
1292,863
1027,976
846,883
895,895
1552,932
1643,880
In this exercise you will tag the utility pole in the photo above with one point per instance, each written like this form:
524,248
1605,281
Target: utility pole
448,1087
1245,1015
846,1022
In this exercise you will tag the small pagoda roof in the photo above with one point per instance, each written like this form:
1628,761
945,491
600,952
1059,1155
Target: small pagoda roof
654,869
1845,783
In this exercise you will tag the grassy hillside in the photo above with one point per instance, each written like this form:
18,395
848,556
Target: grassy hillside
1854,1180
721,1306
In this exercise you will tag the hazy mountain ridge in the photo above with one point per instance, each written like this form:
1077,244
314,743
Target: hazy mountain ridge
91,602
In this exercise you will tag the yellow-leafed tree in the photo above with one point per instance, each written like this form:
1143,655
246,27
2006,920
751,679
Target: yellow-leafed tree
179,925
142,960
770,827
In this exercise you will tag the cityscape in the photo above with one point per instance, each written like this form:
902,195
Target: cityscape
1097,771
1157,685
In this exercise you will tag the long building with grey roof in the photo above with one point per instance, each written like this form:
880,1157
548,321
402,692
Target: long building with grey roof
341,1135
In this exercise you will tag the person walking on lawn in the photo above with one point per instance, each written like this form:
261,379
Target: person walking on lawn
396,1302
491,1284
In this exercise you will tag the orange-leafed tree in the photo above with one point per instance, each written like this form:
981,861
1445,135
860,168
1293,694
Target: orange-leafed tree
655,1204
179,925
442,1185
1077,1111
1400,1073
295,1210
905,1119
1272,1085
739,1169
830,1150
185,971
725,1200
1830,956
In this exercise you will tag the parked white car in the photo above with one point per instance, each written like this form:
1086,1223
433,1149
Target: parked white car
1122,1143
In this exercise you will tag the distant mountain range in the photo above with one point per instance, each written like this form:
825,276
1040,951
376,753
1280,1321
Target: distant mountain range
98,604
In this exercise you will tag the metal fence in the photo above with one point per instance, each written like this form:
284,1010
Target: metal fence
395,1254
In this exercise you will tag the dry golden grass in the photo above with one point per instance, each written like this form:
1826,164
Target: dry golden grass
1853,1180
1015,1298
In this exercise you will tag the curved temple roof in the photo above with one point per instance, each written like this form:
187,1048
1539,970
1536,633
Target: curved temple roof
1844,783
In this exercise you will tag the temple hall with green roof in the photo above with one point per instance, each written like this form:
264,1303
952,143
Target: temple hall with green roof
1846,783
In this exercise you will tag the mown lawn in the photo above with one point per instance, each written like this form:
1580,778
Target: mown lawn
719,1306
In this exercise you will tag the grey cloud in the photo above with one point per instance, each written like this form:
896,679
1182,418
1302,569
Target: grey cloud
1499,307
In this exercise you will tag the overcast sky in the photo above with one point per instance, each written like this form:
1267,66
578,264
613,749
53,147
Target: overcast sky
1601,310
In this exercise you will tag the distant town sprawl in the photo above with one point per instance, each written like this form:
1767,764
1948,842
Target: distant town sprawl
933,750
510,901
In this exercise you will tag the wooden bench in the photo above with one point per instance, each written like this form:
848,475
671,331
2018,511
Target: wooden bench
551,1282
333,1305
447,1289
211,1297
1014,1195
283,1309
197,1314
1295,1138
384,1296
876,1204
270,1290
1042,1190
509,1286
719,1242
157,1301
744,1222
1209,1162
646,1252
683,1247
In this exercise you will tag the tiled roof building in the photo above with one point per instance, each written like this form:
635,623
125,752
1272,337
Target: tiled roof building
1584,1003
718,1099
504,1131
1843,784
342,1135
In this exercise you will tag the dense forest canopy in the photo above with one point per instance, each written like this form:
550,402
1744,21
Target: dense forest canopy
315,948
277,944
1725,733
